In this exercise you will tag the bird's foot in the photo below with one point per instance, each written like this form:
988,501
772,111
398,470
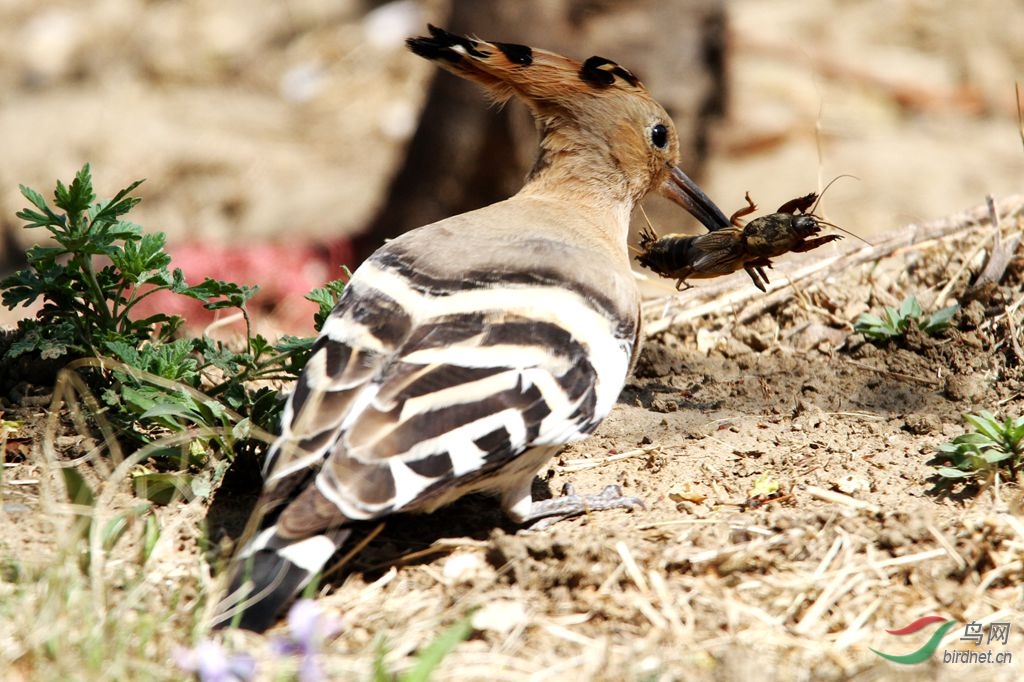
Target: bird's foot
548,512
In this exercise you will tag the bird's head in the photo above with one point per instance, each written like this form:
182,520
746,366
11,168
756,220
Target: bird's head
598,124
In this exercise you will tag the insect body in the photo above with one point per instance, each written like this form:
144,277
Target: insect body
749,246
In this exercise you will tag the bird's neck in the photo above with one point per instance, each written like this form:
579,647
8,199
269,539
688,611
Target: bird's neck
586,178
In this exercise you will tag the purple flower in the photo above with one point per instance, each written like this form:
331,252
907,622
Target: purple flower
210,663
308,630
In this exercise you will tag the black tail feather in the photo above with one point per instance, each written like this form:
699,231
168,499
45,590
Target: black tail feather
264,582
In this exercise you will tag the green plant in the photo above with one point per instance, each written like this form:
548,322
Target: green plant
98,271
428,659
894,323
149,380
992,445
83,500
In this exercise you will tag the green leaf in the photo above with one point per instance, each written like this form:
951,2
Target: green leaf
127,231
1014,430
163,488
142,329
217,355
266,406
78,196
869,320
160,411
36,199
159,407
118,206
79,494
946,472
33,219
201,487
212,413
940,319
910,308
113,530
380,672
985,423
143,260
242,430
326,297
435,652
52,340
150,536
211,288
974,439
985,414
893,320
288,344
125,352
995,455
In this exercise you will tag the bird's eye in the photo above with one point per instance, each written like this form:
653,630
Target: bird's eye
659,136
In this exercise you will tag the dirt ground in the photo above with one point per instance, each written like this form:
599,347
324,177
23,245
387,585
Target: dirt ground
706,584
736,390
708,581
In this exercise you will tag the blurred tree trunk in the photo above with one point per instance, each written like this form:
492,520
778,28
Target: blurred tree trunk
465,154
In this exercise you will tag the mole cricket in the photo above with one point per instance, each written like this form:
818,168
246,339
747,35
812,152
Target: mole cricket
751,246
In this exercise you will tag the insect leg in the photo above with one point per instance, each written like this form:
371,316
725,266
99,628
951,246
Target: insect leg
809,244
746,210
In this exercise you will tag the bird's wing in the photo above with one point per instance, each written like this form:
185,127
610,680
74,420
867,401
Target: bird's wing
420,393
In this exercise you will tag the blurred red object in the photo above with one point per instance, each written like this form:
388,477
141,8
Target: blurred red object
284,273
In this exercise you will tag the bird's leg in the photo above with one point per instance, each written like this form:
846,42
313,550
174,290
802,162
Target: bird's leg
570,503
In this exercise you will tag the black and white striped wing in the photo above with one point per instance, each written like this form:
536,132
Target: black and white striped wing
419,391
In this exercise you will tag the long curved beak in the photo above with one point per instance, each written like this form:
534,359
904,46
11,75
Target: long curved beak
685,192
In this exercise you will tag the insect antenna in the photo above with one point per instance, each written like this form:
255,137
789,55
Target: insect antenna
646,233
830,183
833,225
1020,111
646,219
844,230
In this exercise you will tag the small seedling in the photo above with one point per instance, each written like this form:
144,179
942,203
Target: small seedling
992,445
894,323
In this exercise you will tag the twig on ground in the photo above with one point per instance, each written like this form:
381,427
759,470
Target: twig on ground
582,464
1002,250
840,498
961,563
895,375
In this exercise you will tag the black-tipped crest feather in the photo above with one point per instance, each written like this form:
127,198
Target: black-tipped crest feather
440,45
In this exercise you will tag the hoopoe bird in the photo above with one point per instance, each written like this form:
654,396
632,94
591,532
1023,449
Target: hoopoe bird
462,355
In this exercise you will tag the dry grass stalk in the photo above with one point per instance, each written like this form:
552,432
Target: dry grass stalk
842,499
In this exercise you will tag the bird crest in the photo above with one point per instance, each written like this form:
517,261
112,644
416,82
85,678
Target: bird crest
538,77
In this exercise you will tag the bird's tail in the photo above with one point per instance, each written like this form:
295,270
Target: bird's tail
266,576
